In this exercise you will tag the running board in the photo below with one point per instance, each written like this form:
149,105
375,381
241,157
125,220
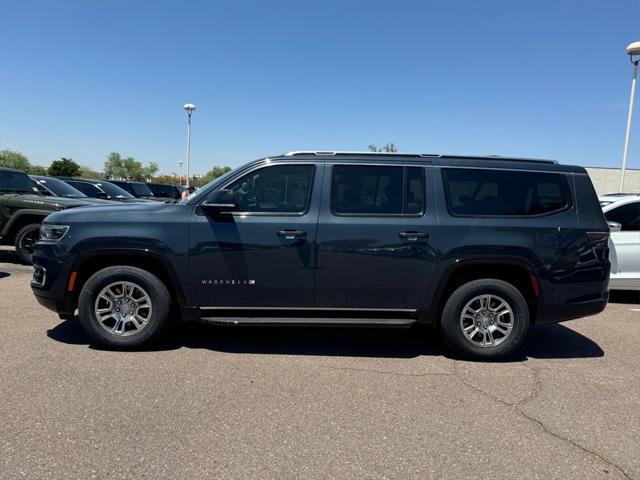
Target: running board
315,321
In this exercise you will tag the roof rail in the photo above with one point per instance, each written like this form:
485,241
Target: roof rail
418,155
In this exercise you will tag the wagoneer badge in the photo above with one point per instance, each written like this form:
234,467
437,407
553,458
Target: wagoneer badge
227,282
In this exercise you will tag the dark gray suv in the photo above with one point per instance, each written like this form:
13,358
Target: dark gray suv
481,246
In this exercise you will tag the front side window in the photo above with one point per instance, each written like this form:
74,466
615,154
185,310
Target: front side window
276,189
16,182
477,192
626,215
377,190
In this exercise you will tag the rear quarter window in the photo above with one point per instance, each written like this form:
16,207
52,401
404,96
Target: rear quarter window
479,192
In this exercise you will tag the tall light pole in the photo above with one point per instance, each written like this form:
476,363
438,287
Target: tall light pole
180,162
633,50
190,108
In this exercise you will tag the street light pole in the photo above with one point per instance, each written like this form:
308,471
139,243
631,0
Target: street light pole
190,108
180,162
632,50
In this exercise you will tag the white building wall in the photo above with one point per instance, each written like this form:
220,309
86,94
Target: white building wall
607,180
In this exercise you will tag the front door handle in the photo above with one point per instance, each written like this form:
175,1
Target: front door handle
292,234
413,236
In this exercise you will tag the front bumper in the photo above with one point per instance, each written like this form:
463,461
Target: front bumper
49,280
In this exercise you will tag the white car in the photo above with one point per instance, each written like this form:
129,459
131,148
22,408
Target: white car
622,211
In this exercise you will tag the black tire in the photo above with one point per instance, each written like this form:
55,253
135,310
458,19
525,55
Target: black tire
25,239
158,320
452,328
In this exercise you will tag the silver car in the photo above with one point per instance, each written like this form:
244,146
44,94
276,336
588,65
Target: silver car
623,214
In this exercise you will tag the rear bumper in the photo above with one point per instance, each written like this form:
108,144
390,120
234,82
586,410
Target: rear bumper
562,313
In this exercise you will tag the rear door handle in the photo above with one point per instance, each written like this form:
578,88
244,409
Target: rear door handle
292,234
413,236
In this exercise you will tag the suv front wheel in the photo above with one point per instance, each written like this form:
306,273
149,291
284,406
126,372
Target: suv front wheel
124,307
485,319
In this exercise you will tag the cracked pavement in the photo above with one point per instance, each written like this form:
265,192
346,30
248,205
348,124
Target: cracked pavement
242,403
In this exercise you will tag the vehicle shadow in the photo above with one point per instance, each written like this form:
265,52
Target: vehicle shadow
548,341
10,256
624,296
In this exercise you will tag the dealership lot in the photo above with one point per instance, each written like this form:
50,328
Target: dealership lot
242,403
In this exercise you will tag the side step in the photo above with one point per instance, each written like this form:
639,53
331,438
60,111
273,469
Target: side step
311,321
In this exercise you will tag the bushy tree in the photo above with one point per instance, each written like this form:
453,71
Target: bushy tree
128,168
212,174
11,159
37,170
88,172
387,148
65,167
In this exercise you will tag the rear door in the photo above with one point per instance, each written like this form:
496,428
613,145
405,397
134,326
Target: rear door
262,255
627,241
374,237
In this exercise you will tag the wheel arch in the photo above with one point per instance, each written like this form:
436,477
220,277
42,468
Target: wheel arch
19,219
143,258
519,272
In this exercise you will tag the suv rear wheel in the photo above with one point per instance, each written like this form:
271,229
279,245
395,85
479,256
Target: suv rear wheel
485,319
124,307
25,239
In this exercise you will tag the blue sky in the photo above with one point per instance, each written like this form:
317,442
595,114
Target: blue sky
83,78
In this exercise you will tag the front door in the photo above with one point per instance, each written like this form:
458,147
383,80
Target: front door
374,238
261,255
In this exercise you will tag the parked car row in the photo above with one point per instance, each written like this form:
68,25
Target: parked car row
26,200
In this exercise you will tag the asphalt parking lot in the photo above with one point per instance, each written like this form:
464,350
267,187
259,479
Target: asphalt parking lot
242,403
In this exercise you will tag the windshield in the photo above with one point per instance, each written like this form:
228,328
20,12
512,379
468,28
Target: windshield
59,188
113,190
141,190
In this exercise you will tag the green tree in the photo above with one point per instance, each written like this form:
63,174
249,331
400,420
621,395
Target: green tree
88,172
37,170
11,159
212,174
128,168
387,148
65,167
150,170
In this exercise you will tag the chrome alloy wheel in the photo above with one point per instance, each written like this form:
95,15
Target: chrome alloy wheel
487,320
123,308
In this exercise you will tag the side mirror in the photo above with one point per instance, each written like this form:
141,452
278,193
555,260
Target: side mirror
220,201
614,226
102,195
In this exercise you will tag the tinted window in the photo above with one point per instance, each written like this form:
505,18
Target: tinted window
500,192
85,188
113,191
164,191
16,182
281,188
626,215
364,189
141,190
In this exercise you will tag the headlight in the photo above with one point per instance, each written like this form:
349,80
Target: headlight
53,233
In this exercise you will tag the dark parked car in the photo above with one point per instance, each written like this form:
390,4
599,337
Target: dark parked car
100,189
23,208
167,192
137,189
54,187
481,246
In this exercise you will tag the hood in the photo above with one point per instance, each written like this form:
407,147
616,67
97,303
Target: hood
114,211
51,203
